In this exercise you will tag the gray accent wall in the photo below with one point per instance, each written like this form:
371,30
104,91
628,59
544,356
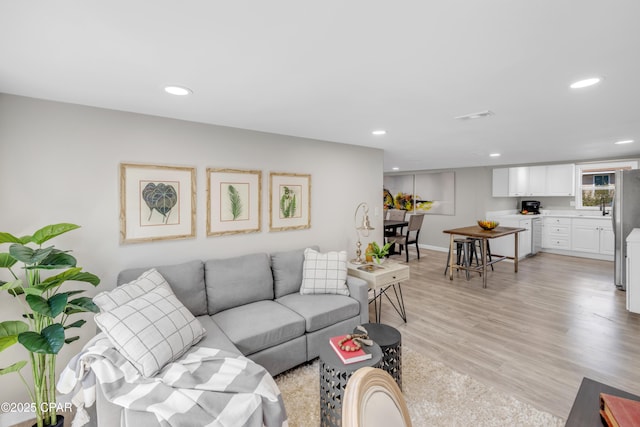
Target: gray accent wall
60,163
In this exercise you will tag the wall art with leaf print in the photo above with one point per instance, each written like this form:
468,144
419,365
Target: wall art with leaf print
289,201
156,202
233,201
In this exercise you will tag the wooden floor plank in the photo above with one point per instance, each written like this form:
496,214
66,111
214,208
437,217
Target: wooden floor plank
533,334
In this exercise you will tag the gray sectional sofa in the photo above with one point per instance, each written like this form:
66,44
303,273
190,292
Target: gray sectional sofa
251,304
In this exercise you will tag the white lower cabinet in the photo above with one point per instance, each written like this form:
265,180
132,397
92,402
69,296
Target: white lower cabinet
556,233
592,235
505,245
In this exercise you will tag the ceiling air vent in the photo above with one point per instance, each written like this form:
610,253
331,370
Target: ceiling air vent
477,115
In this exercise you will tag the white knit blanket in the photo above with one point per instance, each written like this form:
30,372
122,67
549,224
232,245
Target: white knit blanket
205,387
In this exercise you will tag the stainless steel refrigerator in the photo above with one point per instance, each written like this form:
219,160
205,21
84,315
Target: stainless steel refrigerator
626,217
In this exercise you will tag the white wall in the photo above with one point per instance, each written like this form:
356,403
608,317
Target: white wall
60,163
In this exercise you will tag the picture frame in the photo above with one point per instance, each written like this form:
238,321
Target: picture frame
233,201
289,201
157,202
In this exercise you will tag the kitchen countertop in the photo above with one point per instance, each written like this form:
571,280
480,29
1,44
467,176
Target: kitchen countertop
513,215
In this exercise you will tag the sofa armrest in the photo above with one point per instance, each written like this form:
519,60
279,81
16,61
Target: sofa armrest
359,290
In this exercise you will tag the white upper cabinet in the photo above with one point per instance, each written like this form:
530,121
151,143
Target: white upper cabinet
561,180
525,181
518,181
537,181
500,182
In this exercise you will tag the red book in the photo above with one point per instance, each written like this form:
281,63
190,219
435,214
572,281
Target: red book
618,411
348,357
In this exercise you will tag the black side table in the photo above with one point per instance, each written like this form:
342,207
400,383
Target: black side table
334,376
390,341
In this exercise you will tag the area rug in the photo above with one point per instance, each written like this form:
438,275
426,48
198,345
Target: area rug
435,394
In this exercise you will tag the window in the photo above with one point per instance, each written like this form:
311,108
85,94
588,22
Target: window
597,183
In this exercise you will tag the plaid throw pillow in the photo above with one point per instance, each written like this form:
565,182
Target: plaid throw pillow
324,273
151,330
147,281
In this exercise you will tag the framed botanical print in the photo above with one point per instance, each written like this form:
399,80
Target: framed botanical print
233,201
289,201
156,202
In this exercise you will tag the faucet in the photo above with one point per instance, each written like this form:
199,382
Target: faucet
602,207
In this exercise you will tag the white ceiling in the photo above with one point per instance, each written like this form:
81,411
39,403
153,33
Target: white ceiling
336,70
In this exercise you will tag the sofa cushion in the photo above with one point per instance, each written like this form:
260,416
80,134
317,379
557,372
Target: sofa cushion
287,271
186,281
320,311
149,280
259,325
215,338
324,273
232,282
151,330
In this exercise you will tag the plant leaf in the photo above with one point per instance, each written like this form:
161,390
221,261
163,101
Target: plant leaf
51,231
236,202
9,238
27,255
51,307
13,368
72,274
76,324
83,304
72,339
11,285
9,332
57,260
49,341
6,260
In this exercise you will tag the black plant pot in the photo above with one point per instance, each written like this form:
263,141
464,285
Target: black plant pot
60,422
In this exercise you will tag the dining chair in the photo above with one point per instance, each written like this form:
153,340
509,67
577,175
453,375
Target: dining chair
395,215
410,236
373,399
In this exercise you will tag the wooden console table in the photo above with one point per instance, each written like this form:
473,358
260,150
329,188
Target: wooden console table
381,279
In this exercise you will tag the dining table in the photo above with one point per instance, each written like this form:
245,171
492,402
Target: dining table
477,232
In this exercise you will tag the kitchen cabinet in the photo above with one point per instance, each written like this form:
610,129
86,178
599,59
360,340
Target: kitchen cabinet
592,235
500,183
537,185
504,245
530,181
561,180
556,233
518,181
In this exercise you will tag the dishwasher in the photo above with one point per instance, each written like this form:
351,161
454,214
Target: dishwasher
536,235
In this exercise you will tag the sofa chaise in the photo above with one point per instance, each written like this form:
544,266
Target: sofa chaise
253,305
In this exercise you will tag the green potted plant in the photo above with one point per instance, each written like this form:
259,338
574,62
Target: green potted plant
378,253
37,273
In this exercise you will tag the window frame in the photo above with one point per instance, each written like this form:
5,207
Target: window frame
611,165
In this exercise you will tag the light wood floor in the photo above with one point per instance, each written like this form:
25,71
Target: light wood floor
534,334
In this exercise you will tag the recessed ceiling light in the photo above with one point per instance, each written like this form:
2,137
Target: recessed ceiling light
178,90
585,83
477,115
494,155
395,168
626,141
379,132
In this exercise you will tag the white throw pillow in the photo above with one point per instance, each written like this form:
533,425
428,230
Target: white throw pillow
122,294
151,330
324,273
